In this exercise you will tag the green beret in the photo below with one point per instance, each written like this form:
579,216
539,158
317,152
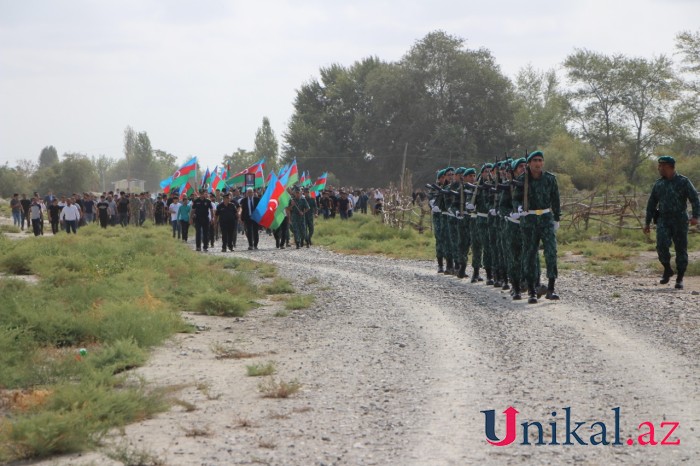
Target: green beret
667,159
449,169
441,173
537,153
469,171
485,166
514,164
459,171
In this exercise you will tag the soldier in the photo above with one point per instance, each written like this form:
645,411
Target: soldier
435,201
537,202
310,215
297,212
202,215
453,220
514,237
667,204
446,213
503,209
468,178
482,206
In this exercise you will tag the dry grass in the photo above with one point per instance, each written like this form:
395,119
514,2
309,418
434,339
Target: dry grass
197,432
272,388
244,422
188,407
267,444
229,352
257,370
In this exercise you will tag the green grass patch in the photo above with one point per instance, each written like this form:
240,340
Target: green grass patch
117,292
257,370
9,229
279,286
246,265
299,301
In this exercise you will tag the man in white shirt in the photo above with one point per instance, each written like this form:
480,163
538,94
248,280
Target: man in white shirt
70,215
173,209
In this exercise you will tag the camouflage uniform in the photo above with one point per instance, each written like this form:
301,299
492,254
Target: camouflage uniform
670,197
537,225
134,210
434,200
505,207
482,211
453,223
298,208
149,208
313,210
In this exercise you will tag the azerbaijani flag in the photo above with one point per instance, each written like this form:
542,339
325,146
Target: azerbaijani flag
184,173
259,177
187,189
239,178
320,183
293,174
303,179
275,198
205,178
165,184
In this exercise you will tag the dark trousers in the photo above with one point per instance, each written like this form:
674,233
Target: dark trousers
201,233
251,232
104,220
281,233
228,232
54,226
71,225
36,226
184,229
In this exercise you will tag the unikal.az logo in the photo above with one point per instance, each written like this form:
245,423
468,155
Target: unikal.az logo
575,432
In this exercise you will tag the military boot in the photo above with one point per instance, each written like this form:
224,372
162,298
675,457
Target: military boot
489,278
450,267
550,290
516,293
476,277
441,269
668,273
532,295
498,281
462,270
505,286
679,280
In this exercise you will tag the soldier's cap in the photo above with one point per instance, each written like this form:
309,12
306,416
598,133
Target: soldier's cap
537,153
296,189
460,170
442,172
449,169
514,164
667,159
486,166
469,171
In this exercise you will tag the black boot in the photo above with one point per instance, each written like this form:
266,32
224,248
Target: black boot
550,290
441,269
532,296
450,267
679,280
498,281
516,293
476,277
462,270
505,286
489,278
668,273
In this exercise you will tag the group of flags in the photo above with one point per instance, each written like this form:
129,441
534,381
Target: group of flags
270,210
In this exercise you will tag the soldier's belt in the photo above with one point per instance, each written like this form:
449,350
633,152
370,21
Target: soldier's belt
537,212
482,214
493,215
473,215
511,219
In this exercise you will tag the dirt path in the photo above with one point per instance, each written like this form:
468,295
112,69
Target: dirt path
397,364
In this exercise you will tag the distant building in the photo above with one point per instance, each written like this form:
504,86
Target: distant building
130,186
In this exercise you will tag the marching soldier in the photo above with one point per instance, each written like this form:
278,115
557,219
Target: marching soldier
434,201
468,179
482,226
514,237
297,209
310,215
667,204
445,208
537,201
503,209
453,220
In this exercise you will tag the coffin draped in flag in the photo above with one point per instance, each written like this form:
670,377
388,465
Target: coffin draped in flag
274,200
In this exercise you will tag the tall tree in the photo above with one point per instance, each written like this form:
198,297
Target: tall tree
129,149
266,145
102,165
48,157
621,105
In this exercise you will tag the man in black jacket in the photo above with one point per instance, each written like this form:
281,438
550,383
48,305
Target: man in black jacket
248,205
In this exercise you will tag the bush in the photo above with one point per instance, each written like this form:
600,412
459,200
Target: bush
221,305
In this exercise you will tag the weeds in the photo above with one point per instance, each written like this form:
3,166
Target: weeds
279,286
228,352
257,370
272,388
281,313
129,456
300,301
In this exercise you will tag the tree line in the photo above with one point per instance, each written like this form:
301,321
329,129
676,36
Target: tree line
600,121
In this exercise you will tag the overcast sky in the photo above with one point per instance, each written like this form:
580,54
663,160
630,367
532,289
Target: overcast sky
198,76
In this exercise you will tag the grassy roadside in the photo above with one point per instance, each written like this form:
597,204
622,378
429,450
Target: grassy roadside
365,234
116,293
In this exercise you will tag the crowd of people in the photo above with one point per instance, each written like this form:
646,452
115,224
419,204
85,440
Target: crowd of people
503,213
219,215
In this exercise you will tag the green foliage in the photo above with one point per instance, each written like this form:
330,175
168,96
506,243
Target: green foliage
221,305
299,301
257,370
117,293
279,286
266,145
366,234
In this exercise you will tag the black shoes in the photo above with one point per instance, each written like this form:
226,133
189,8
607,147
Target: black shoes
668,273
516,295
551,295
679,284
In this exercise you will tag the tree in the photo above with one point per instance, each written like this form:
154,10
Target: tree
621,105
129,148
48,157
74,174
266,145
541,109
240,160
102,165
12,181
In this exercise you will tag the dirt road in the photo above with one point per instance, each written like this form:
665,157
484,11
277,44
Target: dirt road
397,364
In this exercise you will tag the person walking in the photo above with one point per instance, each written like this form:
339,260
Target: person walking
248,205
202,215
70,216
298,208
103,211
227,217
16,208
173,208
54,213
668,206
183,217
36,216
